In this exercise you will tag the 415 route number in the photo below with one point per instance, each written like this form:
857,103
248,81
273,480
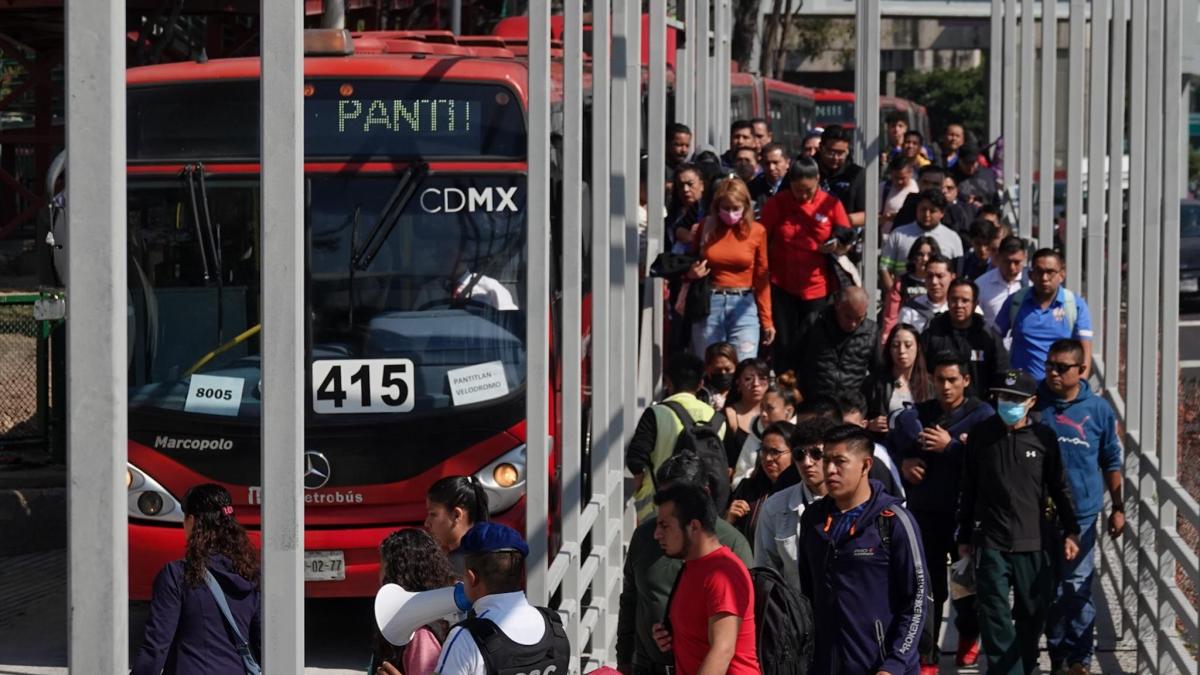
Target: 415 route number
362,386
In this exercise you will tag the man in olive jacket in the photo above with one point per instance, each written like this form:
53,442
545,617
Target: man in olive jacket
650,575
1011,466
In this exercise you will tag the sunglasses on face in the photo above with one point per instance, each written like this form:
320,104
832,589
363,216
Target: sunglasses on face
815,453
1061,368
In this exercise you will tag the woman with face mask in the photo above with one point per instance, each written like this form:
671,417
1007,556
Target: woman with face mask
720,360
732,247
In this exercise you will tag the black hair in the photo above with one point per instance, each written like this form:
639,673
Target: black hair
811,431
897,162
772,147
761,120
1067,346
678,128
931,169
968,152
983,229
782,429
963,281
856,439
915,249
412,559
803,167
938,258
691,503
465,492
1048,253
820,406
785,386
684,468
758,365
914,132
835,133
896,116
500,571
215,531
852,400
718,349
1011,244
685,370
688,166
741,124
993,209
949,358
935,198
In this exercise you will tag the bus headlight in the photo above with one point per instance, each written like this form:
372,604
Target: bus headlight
504,479
148,500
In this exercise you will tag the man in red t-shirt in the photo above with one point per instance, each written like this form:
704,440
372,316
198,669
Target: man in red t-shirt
710,616
803,227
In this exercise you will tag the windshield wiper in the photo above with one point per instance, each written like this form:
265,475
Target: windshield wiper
207,236
406,187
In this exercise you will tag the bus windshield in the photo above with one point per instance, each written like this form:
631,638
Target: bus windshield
834,112
435,320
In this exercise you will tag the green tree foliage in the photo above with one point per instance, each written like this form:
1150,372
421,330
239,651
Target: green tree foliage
949,96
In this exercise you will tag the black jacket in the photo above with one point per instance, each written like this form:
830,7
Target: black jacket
938,491
978,344
981,184
835,361
849,185
761,189
1008,476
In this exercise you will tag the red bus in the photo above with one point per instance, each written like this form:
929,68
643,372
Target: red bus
790,108
837,107
415,187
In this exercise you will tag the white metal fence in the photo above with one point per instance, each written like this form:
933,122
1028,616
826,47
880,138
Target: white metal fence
585,572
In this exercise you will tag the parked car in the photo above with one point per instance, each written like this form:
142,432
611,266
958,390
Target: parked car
1189,250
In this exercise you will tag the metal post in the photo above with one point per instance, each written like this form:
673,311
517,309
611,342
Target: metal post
537,303
1009,104
1116,195
456,17
1151,226
995,72
866,95
618,174
1137,196
97,437
1047,102
282,148
1174,102
1075,93
685,72
698,30
633,142
656,118
1024,162
572,320
721,47
1097,172
606,440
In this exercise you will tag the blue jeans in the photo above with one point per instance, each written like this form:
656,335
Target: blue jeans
732,319
1071,623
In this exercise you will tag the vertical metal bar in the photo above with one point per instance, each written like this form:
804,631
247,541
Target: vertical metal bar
633,141
1136,226
1047,102
572,312
1075,93
96,382
1116,195
456,17
995,72
605,447
1026,120
698,29
1152,226
656,119
282,148
866,94
1174,101
685,72
1009,105
1097,172
724,21
537,302
618,174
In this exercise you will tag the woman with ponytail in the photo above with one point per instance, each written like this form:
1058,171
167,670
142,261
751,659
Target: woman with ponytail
187,632
452,505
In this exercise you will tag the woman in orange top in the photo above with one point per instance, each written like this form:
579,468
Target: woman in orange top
733,249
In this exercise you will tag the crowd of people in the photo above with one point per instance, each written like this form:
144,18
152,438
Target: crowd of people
884,462
822,478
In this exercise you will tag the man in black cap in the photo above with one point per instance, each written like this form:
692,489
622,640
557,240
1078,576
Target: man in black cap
1011,465
504,635
977,185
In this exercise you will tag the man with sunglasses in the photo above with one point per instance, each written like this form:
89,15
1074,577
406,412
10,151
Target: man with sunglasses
1043,313
1086,427
1011,465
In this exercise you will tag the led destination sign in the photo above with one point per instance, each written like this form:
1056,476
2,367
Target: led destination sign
414,116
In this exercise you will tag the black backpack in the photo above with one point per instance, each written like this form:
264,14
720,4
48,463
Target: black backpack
783,625
704,440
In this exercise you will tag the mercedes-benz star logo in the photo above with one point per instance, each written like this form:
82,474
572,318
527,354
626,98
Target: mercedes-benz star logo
316,470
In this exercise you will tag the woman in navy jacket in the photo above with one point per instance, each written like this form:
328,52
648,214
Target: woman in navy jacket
186,633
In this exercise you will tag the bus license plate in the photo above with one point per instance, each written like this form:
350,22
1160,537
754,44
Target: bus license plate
324,566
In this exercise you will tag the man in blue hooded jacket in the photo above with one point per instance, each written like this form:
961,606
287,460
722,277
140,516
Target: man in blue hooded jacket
1086,427
862,566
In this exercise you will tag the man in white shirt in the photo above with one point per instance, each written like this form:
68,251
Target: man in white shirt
503,631
893,259
1006,277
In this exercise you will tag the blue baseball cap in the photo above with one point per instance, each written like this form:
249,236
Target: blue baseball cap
492,538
